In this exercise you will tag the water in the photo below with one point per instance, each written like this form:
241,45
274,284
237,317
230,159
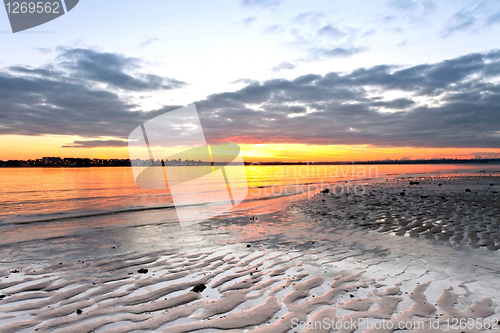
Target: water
36,203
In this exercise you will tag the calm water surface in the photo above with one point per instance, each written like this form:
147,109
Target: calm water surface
33,193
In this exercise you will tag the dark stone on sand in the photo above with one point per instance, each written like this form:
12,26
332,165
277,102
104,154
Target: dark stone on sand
327,190
494,192
423,196
492,184
199,288
79,312
467,190
414,183
351,295
15,271
323,200
2,296
440,184
402,194
143,271
248,245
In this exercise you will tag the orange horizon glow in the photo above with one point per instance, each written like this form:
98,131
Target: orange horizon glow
18,147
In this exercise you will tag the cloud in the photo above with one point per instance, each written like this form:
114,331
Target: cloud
261,3
275,28
331,32
96,144
114,70
316,38
493,19
337,52
452,103
403,4
460,21
408,14
148,41
247,21
67,97
284,66
245,81
473,17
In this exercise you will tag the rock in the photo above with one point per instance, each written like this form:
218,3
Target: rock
143,271
199,288
467,190
2,296
327,190
351,295
248,245
440,184
402,194
79,312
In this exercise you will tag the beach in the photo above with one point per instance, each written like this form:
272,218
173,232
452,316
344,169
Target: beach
401,253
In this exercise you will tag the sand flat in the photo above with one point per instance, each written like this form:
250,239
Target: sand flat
306,262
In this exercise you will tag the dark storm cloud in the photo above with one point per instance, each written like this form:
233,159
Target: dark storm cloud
453,103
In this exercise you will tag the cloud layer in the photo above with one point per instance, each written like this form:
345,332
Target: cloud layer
453,103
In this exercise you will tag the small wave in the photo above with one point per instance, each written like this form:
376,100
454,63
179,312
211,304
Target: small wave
75,215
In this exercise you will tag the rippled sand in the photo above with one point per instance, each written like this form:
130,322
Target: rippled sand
460,210
269,273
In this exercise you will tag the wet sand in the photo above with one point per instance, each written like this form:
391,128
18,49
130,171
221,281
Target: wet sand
307,260
454,209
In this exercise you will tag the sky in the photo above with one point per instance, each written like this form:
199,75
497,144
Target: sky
286,80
